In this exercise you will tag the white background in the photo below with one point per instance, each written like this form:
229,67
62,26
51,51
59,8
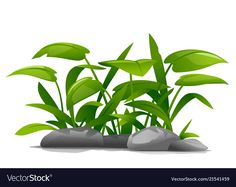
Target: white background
106,27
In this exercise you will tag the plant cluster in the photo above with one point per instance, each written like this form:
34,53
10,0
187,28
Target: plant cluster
159,110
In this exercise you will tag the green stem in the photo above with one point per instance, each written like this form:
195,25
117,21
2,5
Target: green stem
131,88
59,92
174,98
93,72
73,117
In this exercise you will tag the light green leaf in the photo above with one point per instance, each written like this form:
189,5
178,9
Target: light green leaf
42,72
100,121
63,50
198,79
72,77
138,67
186,99
87,112
183,134
82,89
53,110
89,66
190,60
34,127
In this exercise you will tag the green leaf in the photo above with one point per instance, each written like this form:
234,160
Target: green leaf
53,110
198,79
183,134
42,72
89,66
159,69
72,77
87,112
82,89
34,127
186,99
57,124
45,96
113,71
109,131
100,121
190,60
150,108
64,50
138,67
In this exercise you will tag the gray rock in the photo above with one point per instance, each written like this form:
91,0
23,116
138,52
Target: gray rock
116,141
151,139
73,137
187,145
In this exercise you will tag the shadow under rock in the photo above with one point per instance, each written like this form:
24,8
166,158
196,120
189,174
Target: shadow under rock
172,152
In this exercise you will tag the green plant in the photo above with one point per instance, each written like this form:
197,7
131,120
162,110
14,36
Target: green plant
160,110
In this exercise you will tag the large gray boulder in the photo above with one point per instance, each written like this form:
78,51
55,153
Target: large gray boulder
116,141
151,139
187,145
73,137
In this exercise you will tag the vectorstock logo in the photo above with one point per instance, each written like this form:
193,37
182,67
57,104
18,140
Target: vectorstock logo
29,178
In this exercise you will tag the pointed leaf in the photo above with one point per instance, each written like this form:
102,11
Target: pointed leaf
87,112
34,127
189,135
186,99
109,131
72,77
64,50
190,60
42,72
198,79
100,121
138,67
113,71
89,66
57,124
82,89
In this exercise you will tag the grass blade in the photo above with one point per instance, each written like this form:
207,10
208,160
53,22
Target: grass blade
33,127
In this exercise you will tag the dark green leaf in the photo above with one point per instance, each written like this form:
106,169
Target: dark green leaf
113,71
45,96
34,127
55,111
87,112
190,60
109,131
89,66
42,72
82,89
138,67
198,79
63,50
57,124
100,121
72,77
186,99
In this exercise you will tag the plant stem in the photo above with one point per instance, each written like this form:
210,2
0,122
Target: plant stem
73,117
59,92
175,97
167,70
131,88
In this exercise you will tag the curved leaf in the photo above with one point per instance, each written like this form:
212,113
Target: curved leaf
113,71
57,124
138,67
198,79
186,99
45,96
183,134
72,77
63,50
56,112
42,72
34,127
190,60
150,108
82,89
100,121
87,112
89,66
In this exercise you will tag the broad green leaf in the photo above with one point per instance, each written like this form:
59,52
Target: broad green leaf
63,50
72,77
198,79
34,127
150,108
159,69
89,66
82,89
109,131
190,60
45,96
186,99
42,72
113,71
87,112
100,121
183,134
53,110
138,67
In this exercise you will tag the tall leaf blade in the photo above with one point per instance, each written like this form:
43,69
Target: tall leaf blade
34,127
198,79
186,99
42,72
64,50
113,71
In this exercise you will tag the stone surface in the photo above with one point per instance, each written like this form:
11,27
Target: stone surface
187,145
151,139
116,141
73,137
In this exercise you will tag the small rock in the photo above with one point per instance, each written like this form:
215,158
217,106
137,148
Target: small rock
73,137
151,139
116,141
187,145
